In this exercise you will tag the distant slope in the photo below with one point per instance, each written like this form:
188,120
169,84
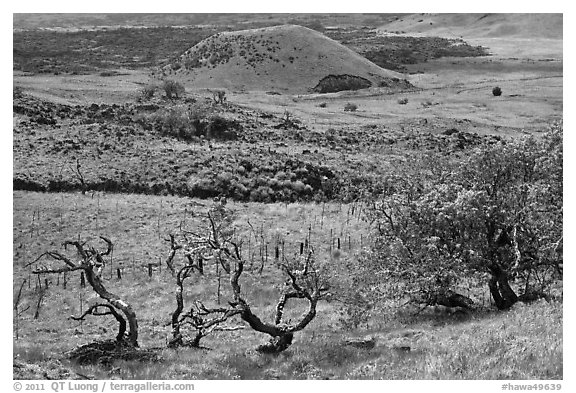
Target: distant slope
481,25
287,58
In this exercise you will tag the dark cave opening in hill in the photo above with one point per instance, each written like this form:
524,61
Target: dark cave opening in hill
336,83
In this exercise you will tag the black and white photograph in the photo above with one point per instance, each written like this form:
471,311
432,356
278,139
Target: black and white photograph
353,196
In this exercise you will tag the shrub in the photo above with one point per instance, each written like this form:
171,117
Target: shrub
403,101
349,107
173,88
174,122
192,62
17,92
218,127
497,91
148,91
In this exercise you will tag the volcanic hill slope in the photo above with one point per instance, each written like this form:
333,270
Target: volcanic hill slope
285,58
481,25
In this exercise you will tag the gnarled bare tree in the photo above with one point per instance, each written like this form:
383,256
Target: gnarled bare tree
91,262
303,280
202,319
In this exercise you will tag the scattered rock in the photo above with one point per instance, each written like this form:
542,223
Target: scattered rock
362,343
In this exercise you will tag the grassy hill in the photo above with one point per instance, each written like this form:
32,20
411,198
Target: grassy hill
481,25
286,58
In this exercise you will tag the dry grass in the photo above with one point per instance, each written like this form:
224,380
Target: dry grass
524,343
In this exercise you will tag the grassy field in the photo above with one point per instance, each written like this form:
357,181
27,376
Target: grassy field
80,123
523,343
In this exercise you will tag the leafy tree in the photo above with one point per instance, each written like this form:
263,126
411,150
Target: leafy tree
497,214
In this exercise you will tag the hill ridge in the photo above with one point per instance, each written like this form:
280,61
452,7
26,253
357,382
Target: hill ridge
289,58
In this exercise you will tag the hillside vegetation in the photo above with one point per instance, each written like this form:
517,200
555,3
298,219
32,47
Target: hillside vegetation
284,58
269,197
522,343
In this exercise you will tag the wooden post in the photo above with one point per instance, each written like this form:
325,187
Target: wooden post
82,280
81,311
32,224
97,212
301,248
111,262
119,273
218,289
150,270
338,243
159,215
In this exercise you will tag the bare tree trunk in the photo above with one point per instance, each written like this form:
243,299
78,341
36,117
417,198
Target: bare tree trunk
503,295
96,284
91,266
281,334
176,340
112,311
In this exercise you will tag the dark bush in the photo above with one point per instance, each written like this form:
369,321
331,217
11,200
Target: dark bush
219,127
192,62
497,91
173,88
17,92
349,107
